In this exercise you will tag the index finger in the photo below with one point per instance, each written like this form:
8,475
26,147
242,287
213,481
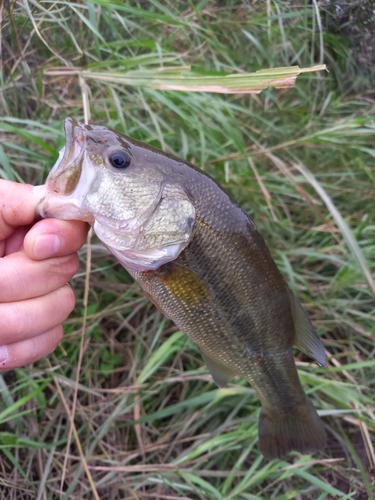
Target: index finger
17,206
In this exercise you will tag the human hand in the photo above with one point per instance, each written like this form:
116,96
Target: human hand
36,262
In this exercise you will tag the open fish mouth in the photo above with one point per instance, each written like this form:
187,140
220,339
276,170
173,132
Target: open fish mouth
66,173
68,182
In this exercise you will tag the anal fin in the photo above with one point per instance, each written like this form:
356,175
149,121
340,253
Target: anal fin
306,338
220,373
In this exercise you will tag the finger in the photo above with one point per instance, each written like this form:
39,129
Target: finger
28,318
29,350
53,238
23,278
17,206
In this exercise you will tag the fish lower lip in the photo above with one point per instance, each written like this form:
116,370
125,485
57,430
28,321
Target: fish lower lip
62,208
64,212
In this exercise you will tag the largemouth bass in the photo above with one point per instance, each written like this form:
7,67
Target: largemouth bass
201,260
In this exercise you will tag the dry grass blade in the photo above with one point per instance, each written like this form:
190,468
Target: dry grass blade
262,187
183,80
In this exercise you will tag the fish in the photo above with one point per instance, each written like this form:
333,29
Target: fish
201,260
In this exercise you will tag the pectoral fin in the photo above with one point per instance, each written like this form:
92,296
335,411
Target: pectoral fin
220,373
185,285
306,337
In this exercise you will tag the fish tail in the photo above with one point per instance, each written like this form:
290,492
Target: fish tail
300,430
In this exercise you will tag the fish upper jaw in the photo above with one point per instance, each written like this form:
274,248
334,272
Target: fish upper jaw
67,171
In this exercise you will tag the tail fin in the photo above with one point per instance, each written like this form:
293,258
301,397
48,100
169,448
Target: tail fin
300,430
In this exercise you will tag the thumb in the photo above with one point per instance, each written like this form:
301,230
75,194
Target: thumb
17,206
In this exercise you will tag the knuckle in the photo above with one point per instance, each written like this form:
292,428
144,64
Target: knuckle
58,333
47,342
69,298
74,263
65,267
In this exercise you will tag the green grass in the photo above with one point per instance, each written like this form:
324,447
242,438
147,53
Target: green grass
149,423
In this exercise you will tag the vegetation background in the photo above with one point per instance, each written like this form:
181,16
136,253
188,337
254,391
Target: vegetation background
125,409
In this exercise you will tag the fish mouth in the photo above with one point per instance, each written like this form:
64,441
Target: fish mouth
66,173
68,182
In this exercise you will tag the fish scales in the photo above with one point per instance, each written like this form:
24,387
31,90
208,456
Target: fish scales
200,258
231,321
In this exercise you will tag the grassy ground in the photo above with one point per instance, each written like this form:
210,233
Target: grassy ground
148,421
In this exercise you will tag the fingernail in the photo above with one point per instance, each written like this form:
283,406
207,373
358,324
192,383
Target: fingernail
46,245
4,354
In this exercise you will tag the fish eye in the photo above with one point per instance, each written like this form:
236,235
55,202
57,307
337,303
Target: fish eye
119,159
